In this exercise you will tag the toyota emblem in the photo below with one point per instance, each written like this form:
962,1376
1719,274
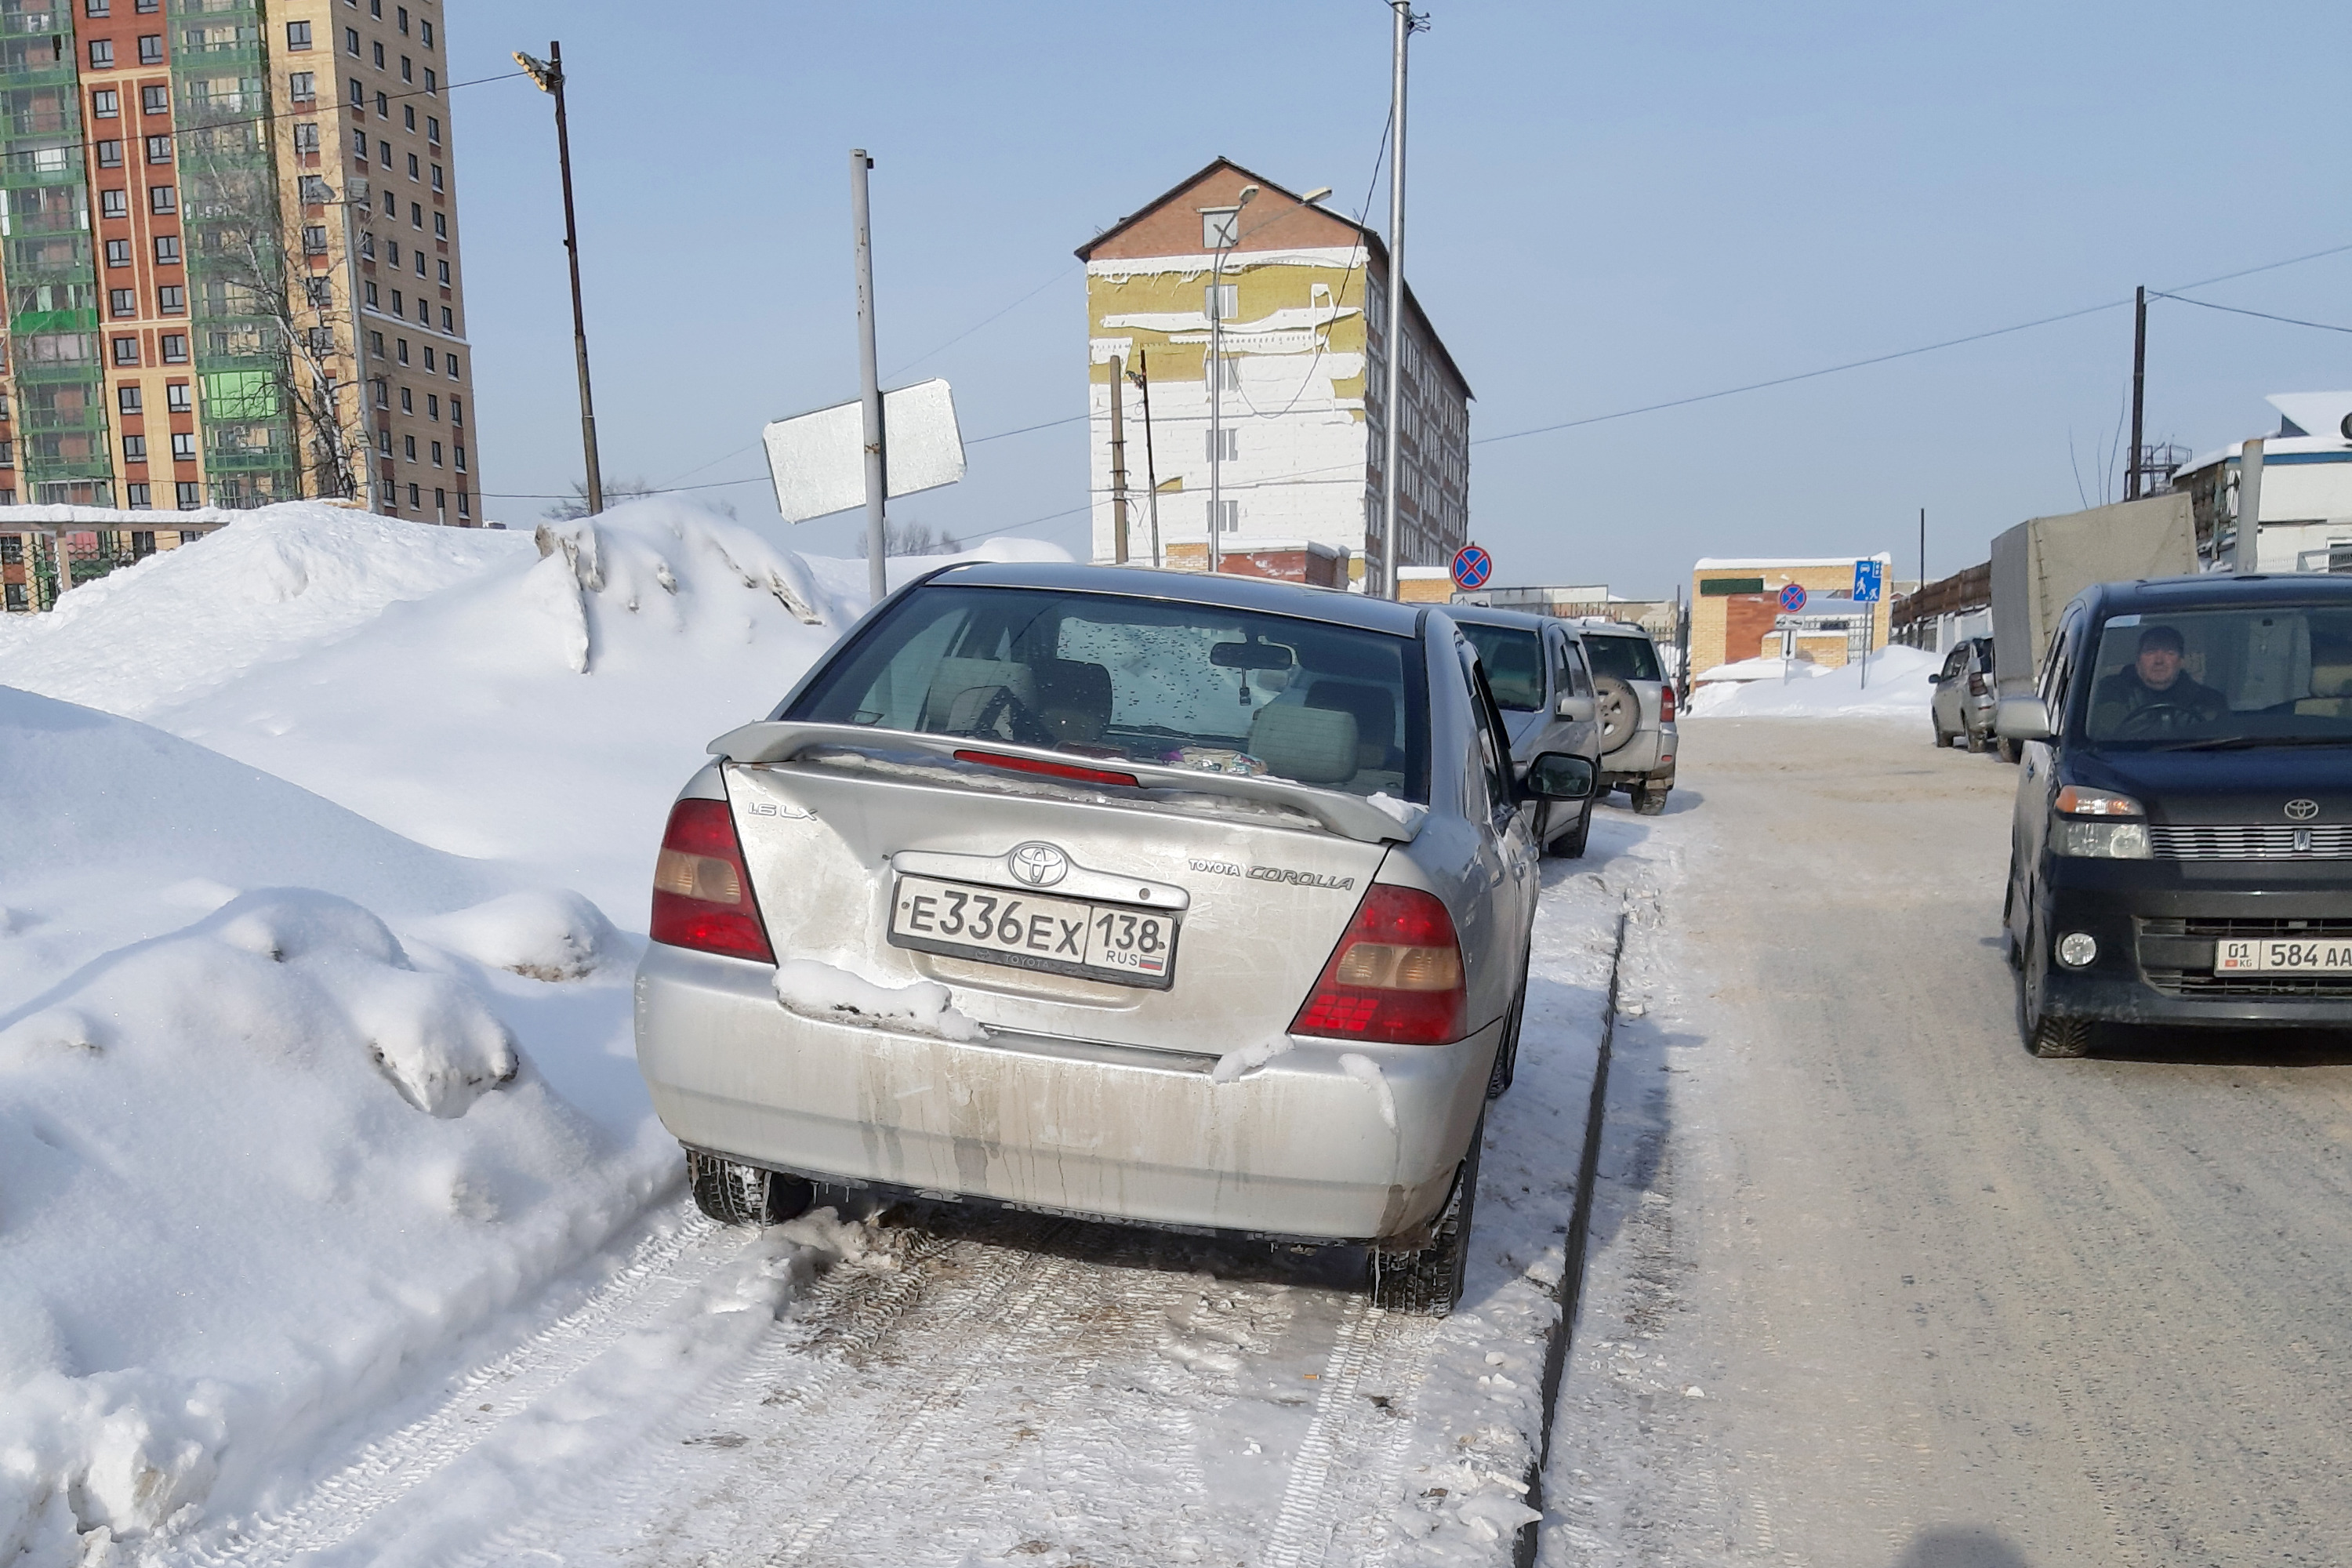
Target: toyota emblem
1037,864
2301,810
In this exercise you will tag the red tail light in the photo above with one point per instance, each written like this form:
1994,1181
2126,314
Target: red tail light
1666,704
1395,977
702,894
1975,685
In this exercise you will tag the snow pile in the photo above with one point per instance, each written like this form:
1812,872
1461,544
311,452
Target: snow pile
833,996
275,583
257,1153
1898,688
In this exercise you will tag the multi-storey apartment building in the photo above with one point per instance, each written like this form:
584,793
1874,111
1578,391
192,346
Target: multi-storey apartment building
1300,429
229,243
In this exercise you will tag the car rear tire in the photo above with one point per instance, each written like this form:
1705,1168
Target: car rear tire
1570,846
1977,743
1427,1283
735,1194
1649,801
1942,740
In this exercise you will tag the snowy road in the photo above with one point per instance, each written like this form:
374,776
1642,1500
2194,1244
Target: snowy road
956,1390
1869,1285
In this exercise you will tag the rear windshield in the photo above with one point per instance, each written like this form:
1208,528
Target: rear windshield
1514,661
2273,674
1102,676
1627,658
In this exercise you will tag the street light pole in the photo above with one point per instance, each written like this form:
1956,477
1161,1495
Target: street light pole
877,468
1226,241
1141,376
2139,387
549,74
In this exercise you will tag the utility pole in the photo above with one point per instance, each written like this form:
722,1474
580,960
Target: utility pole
1216,367
549,74
1150,465
1406,24
1118,460
2139,386
1923,550
878,467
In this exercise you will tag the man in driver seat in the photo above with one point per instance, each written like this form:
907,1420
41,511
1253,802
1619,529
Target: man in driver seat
2154,684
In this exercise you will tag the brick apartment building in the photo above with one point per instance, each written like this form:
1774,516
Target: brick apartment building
228,242
1302,323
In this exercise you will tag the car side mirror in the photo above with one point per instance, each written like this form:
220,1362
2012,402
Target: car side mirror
1576,709
1934,676
1559,775
2023,719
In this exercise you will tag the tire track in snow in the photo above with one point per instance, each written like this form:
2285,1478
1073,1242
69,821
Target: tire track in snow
662,1270
1346,1465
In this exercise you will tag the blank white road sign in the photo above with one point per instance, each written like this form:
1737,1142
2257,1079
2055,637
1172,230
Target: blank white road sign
818,460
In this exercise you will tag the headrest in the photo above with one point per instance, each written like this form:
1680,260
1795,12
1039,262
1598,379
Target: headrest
1373,707
956,677
2331,680
1313,745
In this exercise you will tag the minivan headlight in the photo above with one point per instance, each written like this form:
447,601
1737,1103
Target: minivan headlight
2103,840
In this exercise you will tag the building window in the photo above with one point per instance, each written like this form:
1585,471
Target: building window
185,495
105,104
1230,519
408,448
382,106
127,398
322,291
432,404
134,448
114,204
441,225
126,351
163,199
359,145
384,442
175,348
423,313
154,100
403,21
390,205
298,35
407,71
303,86
438,182
370,286
415,215
418,251
377,50
123,302
436,454
101,54
314,239
138,494
159,148
306,139
402,342
375,345
316,192
415,502
445,275
167,250
428,357
433,129
460,454
407,400
425,33
1219,227
150,48
383,154
1224,444
147,7
184,445
432,82
322,342
357,94
398,308
352,42
458,412
97,8
118,253
441,503
176,398
109,154
447,321
412,166
1219,302
408,115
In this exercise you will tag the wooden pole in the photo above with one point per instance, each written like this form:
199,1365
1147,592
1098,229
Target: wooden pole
1118,460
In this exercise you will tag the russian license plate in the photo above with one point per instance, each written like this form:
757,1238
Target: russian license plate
2267,955
1116,942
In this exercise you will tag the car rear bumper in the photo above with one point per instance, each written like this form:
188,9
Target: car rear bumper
2157,925
1650,754
1296,1148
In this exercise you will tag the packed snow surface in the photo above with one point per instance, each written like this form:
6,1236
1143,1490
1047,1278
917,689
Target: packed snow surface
1899,687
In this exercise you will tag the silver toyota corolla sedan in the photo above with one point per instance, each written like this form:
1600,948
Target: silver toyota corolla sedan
1199,902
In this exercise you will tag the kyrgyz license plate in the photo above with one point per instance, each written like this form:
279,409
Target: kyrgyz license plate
2269,955
1063,936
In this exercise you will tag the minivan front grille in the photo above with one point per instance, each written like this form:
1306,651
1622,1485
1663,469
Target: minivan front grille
2173,841
2310,987
2243,927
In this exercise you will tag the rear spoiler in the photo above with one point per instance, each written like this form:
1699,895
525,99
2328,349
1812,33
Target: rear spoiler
1349,815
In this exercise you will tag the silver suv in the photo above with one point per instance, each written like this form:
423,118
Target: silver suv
1535,666
1636,712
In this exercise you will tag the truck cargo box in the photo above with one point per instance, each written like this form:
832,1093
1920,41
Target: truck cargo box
2039,565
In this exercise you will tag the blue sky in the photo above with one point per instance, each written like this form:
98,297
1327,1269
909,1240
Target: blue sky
1610,206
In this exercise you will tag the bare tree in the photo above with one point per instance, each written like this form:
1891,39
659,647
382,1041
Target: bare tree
615,492
910,539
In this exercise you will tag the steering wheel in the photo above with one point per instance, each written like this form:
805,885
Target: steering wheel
1028,730
2154,717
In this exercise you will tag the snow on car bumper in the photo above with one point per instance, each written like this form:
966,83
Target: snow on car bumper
1295,1148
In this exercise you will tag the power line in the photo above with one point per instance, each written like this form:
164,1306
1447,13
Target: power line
976,326
2238,310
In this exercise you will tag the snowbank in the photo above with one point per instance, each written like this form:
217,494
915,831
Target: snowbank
257,1152
1898,689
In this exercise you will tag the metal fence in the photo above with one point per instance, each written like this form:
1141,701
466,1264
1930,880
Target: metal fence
41,561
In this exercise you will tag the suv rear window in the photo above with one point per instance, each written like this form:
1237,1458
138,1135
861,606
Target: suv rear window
1626,657
1143,680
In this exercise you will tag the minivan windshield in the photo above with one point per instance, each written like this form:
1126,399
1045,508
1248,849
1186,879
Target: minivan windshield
2251,675
1142,680
1514,659
1626,657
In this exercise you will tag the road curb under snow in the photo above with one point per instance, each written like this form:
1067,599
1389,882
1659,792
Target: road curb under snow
1571,1276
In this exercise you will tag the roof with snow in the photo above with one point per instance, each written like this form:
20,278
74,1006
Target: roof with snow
2313,428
